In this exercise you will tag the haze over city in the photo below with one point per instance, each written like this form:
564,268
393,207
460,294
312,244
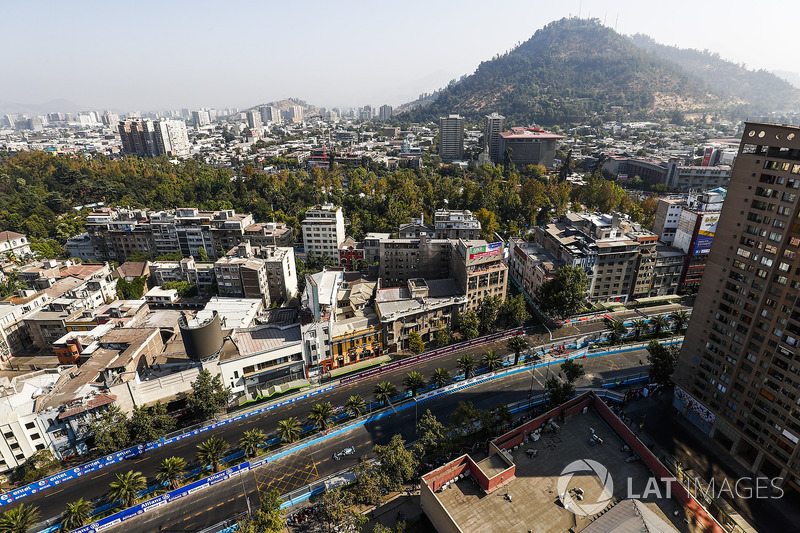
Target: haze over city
152,55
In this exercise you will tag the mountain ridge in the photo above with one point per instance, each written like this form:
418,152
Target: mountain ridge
573,70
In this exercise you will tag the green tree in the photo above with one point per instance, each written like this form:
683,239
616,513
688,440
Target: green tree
209,395
267,519
42,463
132,290
383,391
321,415
202,255
184,288
467,363
513,311
662,361
211,451
639,327
659,322
572,370
367,490
170,471
492,360
618,329
558,391
442,337
19,519
415,343
433,441
517,343
126,488
680,318
487,313
111,430
337,513
76,515
468,325
565,294
289,429
397,464
440,377
150,423
251,440
413,382
355,405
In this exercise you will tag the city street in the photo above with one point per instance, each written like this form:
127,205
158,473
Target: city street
298,469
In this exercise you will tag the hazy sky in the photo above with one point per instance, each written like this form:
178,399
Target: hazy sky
166,54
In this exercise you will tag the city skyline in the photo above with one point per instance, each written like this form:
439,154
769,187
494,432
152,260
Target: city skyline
184,55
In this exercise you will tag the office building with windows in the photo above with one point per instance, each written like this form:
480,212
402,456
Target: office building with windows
738,374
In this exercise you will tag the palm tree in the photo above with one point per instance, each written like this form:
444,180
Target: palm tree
467,363
493,360
77,514
251,440
618,329
440,377
517,343
681,318
639,327
383,391
19,519
659,323
170,470
413,382
355,405
127,487
289,429
321,415
211,452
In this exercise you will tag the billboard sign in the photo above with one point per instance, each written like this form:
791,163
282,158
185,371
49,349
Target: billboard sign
705,234
479,253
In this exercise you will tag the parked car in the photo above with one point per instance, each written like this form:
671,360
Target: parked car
344,453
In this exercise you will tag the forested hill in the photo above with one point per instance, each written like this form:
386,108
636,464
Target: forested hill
568,71
762,90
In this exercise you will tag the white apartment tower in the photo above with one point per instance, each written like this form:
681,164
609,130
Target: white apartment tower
323,231
451,137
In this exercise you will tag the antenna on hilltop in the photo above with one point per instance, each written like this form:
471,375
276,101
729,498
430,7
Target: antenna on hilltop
604,17
615,21
580,7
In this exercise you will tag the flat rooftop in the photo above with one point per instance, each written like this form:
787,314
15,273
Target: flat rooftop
534,491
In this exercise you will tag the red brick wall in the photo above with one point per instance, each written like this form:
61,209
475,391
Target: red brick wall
448,472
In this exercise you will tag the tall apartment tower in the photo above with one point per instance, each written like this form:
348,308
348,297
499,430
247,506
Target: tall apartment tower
492,128
254,119
148,138
451,138
738,374
385,113
323,231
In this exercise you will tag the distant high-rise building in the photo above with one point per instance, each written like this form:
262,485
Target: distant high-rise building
253,119
451,137
737,373
332,115
385,112
366,113
148,138
200,118
296,113
492,128
10,121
